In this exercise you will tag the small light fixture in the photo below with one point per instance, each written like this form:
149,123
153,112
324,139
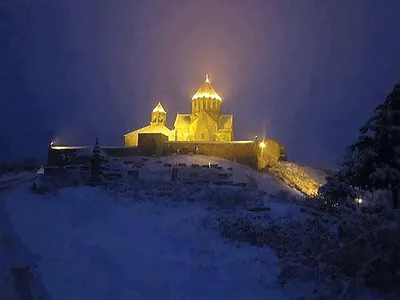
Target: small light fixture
359,200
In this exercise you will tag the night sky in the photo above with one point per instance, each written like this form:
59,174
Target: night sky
307,73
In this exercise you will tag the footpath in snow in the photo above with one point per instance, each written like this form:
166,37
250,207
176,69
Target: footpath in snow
89,247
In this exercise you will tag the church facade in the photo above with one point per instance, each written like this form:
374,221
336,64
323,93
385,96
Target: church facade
157,125
205,123
204,131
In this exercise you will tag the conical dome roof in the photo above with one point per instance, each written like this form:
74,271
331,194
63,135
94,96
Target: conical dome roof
159,109
206,91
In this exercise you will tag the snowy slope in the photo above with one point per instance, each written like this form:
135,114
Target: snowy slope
92,248
159,243
9,177
150,238
154,170
8,180
302,178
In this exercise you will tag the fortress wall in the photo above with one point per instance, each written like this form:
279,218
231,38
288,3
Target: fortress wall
81,155
131,139
151,143
121,151
270,155
244,152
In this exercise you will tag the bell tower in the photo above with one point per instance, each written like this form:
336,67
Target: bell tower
158,115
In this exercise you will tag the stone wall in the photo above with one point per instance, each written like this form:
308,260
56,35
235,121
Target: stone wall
270,154
58,156
121,151
131,139
244,152
151,143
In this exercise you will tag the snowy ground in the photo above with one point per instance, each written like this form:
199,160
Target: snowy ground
10,179
17,280
160,244
154,169
92,248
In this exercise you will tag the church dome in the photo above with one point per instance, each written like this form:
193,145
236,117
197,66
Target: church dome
206,91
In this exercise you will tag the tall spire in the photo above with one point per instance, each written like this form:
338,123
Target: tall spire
207,78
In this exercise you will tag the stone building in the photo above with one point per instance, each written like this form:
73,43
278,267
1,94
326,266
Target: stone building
204,131
205,123
157,125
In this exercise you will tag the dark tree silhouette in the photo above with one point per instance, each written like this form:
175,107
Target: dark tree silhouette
373,161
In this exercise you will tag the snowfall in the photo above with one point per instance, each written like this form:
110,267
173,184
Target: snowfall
93,243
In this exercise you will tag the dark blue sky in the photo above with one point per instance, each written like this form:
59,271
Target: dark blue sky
307,73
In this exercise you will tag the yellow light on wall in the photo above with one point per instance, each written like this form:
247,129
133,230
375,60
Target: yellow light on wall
262,145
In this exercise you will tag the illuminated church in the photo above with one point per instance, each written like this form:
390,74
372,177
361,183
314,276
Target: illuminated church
205,123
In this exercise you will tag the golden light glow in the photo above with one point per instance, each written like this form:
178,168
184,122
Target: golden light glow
262,145
159,108
359,200
206,91
299,177
67,147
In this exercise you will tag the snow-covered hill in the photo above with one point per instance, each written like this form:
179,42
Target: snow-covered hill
89,247
148,238
153,238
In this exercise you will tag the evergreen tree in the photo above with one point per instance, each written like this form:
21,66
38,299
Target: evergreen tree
373,161
383,129
336,190
95,172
